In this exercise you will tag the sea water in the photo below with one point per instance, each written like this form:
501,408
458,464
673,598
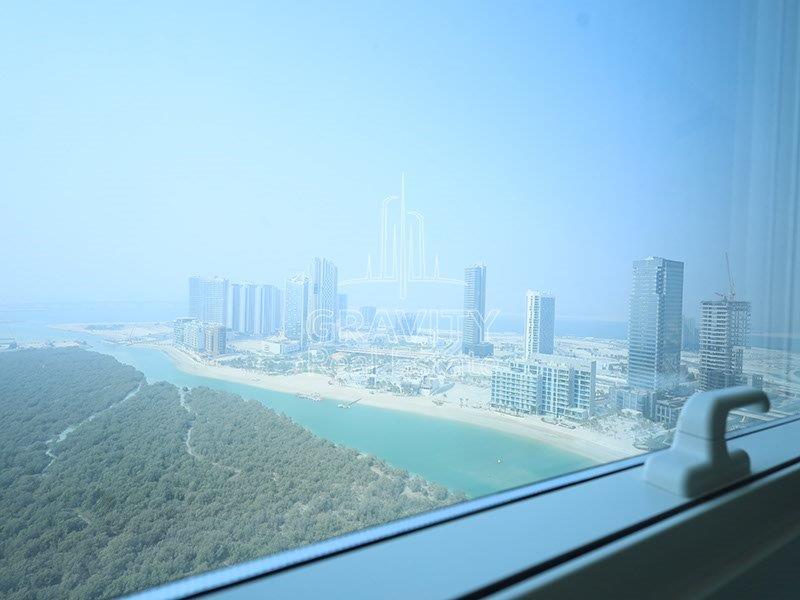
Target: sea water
463,457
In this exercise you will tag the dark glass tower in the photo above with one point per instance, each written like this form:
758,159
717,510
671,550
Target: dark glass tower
475,312
656,322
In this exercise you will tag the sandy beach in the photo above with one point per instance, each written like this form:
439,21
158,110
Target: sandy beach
584,442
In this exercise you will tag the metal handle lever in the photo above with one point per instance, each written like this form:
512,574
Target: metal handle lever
698,460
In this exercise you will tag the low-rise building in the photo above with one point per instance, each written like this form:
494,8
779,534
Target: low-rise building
546,384
628,398
282,346
667,410
179,330
480,350
193,334
214,337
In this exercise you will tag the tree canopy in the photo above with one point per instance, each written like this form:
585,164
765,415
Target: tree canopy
152,483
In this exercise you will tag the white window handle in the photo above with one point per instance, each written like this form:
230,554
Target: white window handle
698,460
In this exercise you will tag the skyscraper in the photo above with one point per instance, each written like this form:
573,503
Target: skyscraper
540,323
473,329
296,308
724,329
654,331
236,321
208,299
249,308
322,301
268,310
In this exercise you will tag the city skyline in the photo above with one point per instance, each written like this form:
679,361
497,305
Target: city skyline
402,273
398,267
529,324
538,327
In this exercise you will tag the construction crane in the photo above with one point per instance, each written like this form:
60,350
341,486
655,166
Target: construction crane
731,295
730,278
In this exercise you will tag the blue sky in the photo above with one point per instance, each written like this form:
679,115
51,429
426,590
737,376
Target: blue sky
556,142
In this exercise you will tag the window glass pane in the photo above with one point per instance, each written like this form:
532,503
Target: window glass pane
275,274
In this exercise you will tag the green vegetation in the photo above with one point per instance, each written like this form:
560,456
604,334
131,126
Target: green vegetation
163,483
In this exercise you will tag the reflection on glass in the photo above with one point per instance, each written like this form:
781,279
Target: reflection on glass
271,276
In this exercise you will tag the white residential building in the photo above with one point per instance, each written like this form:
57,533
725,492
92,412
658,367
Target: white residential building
208,299
269,310
214,338
296,307
323,300
546,384
540,323
249,308
192,334
724,329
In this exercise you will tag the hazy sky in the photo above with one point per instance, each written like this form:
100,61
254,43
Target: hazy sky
554,141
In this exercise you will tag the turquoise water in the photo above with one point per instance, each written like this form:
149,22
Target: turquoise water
459,456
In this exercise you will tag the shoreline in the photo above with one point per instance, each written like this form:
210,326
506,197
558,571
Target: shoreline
583,442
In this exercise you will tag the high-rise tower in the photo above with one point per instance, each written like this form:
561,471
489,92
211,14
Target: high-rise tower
323,301
540,319
473,330
656,321
296,307
268,310
208,299
724,329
